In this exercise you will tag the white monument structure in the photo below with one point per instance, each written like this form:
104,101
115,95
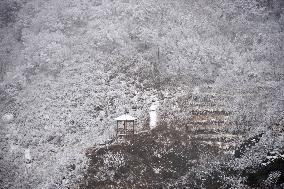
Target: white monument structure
153,114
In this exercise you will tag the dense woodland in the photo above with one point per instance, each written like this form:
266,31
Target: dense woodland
67,68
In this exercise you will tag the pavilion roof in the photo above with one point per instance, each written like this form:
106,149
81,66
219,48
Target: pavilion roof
125,117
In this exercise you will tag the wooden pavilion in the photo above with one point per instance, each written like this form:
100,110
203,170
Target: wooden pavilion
125,125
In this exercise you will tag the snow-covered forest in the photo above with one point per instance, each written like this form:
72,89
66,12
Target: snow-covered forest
68,68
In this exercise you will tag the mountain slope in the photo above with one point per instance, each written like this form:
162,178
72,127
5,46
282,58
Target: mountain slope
69,67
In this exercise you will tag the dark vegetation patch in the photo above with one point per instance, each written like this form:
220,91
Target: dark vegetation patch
174,159
270,173
8,12
150,161
246,145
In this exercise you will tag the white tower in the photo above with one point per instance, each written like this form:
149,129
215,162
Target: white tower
153,114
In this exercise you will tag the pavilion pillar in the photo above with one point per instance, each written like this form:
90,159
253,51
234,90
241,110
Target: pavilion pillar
125,127
133,126
116,128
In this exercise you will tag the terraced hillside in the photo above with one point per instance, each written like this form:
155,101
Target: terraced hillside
204,117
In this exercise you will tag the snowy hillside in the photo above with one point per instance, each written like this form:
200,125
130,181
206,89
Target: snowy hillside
211,71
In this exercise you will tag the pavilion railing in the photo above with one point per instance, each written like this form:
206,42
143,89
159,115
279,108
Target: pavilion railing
122,131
